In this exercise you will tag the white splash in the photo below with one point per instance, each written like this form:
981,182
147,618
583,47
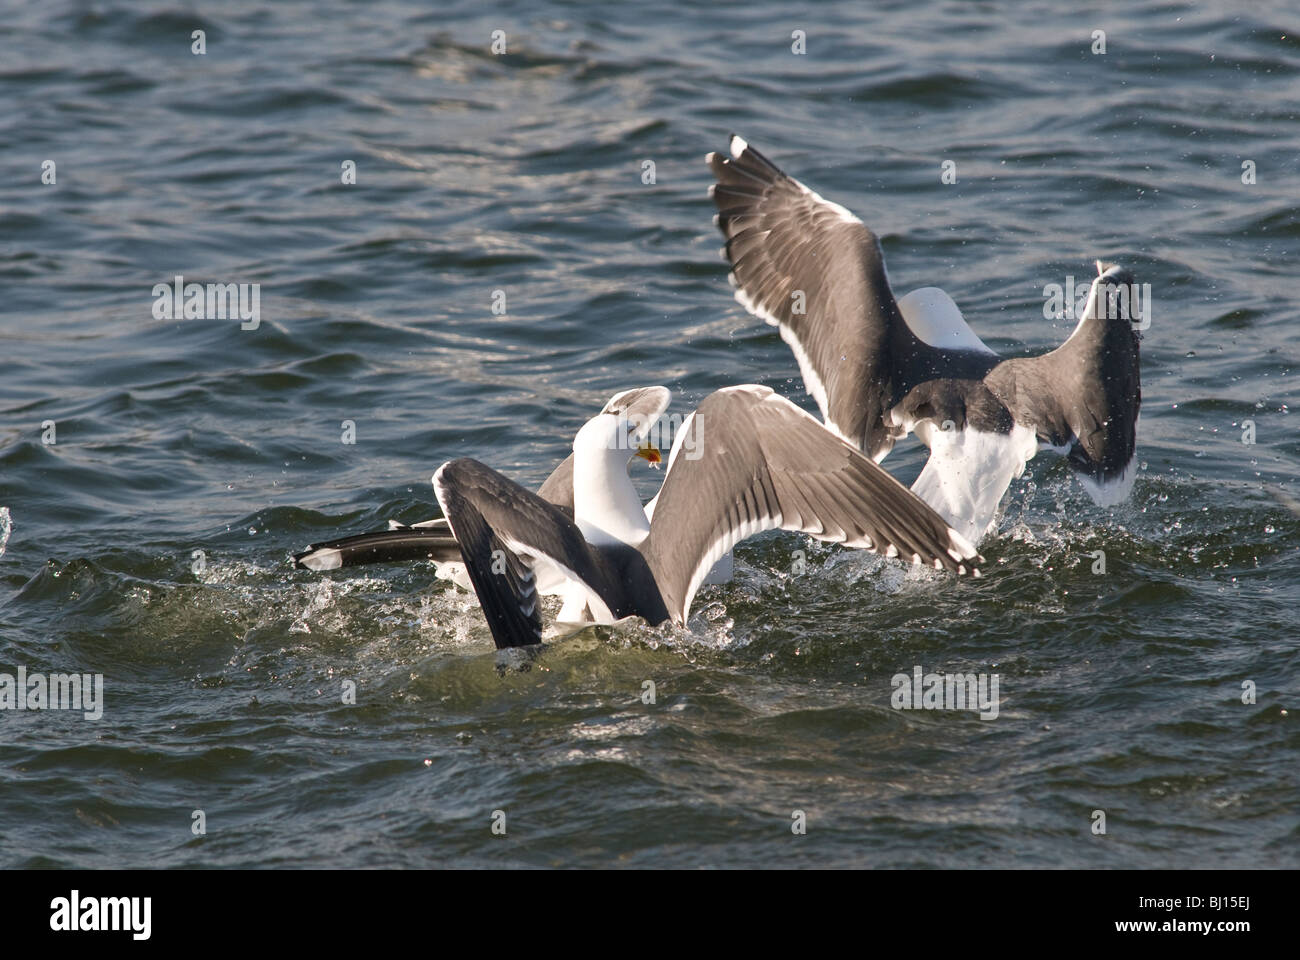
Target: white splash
6,528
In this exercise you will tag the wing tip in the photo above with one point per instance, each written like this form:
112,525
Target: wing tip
318,560
961,552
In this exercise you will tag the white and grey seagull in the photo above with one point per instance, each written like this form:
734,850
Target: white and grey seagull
879,368
757,462
432,540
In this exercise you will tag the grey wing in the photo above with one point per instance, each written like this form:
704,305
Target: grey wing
558,487
506,533
816,272
1083,398
382,546
747,461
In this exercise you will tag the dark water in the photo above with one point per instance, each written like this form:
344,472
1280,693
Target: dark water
1121,691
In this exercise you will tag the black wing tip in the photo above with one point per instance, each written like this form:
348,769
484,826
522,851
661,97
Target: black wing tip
961,566
507,593
968,566
743,164
401,545
962,557
745,155
736,148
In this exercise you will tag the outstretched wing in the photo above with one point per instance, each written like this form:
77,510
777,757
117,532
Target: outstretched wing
558,487
816,272
509,537
1083,398
749,460
383,546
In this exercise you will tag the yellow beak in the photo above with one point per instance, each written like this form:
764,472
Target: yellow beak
649,453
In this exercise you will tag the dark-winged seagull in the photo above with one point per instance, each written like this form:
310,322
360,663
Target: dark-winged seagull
432,540
879,368
756,462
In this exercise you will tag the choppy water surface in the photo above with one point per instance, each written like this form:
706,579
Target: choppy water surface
522,173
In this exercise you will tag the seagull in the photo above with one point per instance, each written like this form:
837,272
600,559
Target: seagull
745,461
880,368
432,540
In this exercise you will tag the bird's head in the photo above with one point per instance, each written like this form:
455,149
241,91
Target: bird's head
617,438
1117,298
